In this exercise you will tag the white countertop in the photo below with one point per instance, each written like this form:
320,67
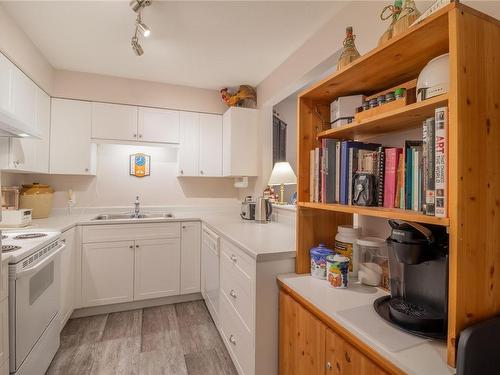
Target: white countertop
261,241
352,308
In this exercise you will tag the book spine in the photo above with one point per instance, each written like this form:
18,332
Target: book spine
425,163
352,165
324,155
329,184
380,176
415,189
429,191
344,164
337,172
390,177
441,154
311,175
316,174
408,179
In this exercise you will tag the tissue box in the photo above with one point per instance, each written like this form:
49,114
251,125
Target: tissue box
342,110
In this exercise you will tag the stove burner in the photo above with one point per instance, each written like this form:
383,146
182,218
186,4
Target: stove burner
9,248
28,236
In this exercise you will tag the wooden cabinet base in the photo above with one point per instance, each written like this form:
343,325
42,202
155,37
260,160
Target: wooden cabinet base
314,344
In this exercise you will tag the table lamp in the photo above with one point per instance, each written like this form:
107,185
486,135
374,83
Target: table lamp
282,175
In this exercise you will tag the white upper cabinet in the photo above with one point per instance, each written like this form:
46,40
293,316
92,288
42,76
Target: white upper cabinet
31,154
114,121
24,93
210,145
158,125
189,150
6,70
71,150
240,142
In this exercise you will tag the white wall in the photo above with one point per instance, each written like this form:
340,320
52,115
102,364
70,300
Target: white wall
21,51
113,186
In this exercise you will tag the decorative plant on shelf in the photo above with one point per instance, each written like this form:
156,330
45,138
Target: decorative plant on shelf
246,97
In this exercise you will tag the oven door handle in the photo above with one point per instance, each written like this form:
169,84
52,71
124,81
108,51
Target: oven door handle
32,270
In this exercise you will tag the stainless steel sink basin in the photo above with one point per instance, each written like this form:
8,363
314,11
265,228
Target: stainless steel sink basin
131,216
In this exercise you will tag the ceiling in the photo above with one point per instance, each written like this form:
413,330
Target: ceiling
209,44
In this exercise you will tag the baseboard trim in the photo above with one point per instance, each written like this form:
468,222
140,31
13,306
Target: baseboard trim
134,305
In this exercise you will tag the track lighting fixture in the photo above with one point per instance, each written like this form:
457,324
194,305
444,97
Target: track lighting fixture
143,28
136,46
137,6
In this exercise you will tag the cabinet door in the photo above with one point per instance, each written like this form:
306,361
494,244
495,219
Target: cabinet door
158,125
343,359
6,69
113,121
71,151
302,340
4,339
30,154
24,93
68,271
190,257
189,150
210,145
107,273
157,268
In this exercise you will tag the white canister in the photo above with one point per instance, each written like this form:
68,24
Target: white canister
345,244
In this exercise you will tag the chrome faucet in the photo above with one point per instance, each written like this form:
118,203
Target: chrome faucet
137,208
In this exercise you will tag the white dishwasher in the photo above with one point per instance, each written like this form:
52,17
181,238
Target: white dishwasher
210,272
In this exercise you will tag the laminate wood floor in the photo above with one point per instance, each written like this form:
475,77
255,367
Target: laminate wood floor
178,339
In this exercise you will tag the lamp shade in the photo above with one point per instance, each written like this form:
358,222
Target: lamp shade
282,174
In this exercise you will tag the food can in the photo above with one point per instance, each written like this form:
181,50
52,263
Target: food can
318,261
337,270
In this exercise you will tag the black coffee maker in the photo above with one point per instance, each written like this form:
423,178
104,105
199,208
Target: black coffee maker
418,274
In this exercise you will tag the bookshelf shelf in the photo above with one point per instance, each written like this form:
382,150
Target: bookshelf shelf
408,117
388,213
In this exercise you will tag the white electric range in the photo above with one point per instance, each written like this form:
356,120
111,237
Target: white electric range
34,299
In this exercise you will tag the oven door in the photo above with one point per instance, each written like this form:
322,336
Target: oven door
36,302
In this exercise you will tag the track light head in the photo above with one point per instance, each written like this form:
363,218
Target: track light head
142,27
136,46
138,5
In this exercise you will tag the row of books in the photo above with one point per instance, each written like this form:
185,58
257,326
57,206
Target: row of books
412,178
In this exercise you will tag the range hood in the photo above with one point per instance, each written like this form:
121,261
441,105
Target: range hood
11,126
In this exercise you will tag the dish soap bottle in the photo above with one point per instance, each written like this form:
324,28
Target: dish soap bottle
349,52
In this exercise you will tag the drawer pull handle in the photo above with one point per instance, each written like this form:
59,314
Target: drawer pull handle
232,340
233,258
131,246
232,293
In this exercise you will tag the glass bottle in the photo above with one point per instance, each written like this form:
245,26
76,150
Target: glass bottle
349,52
409,14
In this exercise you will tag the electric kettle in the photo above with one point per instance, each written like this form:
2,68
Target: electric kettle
263,210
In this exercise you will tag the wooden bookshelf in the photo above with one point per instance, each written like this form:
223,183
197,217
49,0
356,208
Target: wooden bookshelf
386,213
408,117
473,222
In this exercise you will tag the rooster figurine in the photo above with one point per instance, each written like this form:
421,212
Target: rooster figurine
244,97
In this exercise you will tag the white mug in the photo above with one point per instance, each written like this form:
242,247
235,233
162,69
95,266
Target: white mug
370,274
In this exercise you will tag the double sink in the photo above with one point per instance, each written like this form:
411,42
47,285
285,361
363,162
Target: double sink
132,216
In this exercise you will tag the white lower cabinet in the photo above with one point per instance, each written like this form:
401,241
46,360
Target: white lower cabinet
4,320
248,305
132,262
190,257
157,268
68,278
107,273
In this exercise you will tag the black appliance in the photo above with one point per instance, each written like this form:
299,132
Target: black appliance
418,274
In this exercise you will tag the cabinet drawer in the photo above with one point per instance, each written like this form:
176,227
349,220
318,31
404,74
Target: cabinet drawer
122,232
241,262
237,338
237,287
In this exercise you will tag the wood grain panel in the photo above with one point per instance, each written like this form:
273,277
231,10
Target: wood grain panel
302,340
290,297
315,227
474,177
395,62
343,359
